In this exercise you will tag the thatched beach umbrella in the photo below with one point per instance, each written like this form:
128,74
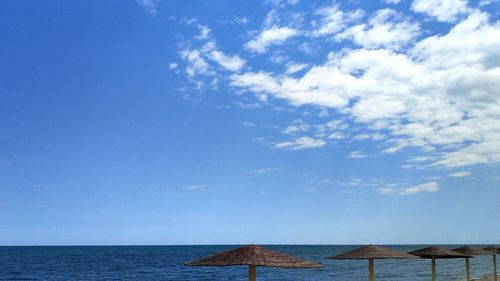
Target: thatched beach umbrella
493,251
469,251
253,256
371,253
436,253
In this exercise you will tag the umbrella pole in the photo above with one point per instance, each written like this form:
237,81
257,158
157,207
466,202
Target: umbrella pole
251,273
495,267
371,270
433,268
467,268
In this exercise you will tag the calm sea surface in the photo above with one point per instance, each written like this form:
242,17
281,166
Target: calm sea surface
166,263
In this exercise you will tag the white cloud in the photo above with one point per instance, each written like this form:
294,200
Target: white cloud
149,5
172,65
200,67
386,28
313,88
204,32
242,20
196,63
295,67
323,112
337,136
425,187
460,174
265,171
373,136
391,1
438,93
297,126
483,3
441,95
300,143
356,155
194,187
308,48
442,10
236,20
333,20
281,2
271,36
387,190
232,63
278,59
331,130
248,124
292,129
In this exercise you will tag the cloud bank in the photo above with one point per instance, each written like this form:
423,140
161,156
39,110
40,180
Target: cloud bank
438,93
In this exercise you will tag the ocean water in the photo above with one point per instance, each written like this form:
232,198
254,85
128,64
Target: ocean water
166,263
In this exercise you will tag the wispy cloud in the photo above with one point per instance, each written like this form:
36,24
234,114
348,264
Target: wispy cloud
300,143
333,20
232,63
150,6
386,28
204,32
460,174
261,171
409,89
357,181
446,11
271,36
367,136
425,187
356,155
173,65
197,65
369,85
411,190
296,127
194,187
295,67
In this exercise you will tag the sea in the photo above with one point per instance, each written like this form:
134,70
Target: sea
166,263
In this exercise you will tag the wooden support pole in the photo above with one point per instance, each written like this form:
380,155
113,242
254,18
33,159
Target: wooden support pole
433,268
467,268
495,267
371,270
251,273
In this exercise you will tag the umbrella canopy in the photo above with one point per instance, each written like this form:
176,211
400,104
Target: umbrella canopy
253,255
372,252
466,250
493,249
438,253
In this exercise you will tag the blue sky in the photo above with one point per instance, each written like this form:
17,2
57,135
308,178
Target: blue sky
228,122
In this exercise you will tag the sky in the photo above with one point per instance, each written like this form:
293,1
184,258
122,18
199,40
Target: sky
159,122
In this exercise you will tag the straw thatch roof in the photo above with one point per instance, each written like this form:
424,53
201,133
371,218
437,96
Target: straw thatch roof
253,255
372,252
437,253
466,250
493,249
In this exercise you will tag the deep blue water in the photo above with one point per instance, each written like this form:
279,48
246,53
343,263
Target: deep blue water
166,263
